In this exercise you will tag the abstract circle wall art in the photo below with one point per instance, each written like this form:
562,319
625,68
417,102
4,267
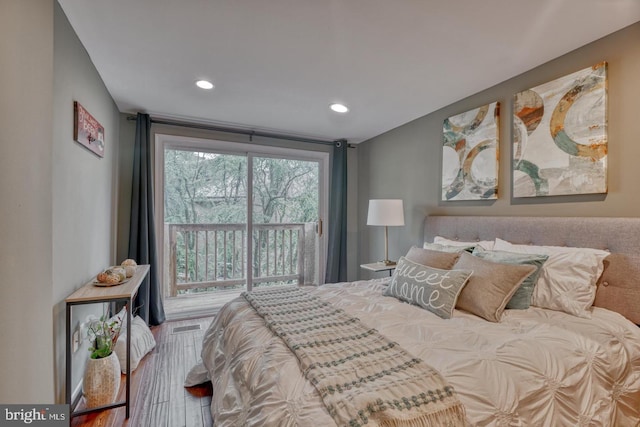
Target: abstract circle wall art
560,136
470,154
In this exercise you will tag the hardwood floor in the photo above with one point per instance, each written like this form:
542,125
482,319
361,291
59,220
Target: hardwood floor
158,398
201,304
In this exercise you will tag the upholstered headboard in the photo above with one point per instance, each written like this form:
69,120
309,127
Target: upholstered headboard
619,286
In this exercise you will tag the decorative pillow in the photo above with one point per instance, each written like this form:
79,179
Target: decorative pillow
522,298
433,289
568,278
490,287
435,259
485,244
618,286
142,342
447,248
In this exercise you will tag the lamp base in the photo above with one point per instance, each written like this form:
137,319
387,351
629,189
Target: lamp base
388,262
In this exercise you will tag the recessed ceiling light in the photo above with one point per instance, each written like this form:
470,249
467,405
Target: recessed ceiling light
204,84
339,108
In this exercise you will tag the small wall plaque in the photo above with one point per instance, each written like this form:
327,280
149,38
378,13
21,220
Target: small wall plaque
87,131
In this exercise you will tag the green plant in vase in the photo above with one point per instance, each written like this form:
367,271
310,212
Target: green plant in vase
103,334
101,380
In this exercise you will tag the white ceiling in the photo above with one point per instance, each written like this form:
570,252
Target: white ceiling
278,64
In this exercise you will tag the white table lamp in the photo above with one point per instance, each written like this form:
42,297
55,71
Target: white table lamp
387,212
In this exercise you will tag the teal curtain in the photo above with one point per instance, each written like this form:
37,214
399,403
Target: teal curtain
337,244
142,232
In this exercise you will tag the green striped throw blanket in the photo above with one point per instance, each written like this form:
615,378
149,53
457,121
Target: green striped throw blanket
362,377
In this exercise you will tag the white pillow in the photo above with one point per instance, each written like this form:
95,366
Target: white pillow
568,278
142,342
447,248
484,244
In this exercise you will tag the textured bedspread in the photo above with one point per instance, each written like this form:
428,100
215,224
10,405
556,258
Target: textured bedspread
535,368
362,376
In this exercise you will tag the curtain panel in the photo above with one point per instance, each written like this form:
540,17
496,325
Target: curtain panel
142,236
337,244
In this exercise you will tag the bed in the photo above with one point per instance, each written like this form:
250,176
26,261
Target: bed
533,367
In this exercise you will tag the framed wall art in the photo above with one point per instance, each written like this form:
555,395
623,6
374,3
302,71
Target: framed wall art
87,131
470,154
560,136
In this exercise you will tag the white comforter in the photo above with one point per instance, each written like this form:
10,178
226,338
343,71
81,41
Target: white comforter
535,368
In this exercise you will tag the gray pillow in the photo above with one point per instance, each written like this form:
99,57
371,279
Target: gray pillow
490,287
435,259
522,298
433,289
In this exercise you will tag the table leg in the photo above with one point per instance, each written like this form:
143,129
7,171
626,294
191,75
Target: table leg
69,352
128,379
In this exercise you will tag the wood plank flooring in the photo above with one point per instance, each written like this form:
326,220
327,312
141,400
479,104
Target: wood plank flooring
202,304
158,398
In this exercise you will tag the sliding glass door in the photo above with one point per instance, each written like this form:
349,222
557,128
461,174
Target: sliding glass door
205,217
235,219
285,220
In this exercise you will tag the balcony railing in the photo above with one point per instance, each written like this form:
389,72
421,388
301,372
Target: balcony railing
209,256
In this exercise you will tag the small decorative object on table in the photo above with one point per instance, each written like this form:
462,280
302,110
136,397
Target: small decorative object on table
116,275
129,266
101,381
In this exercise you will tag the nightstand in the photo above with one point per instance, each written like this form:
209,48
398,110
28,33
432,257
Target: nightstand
379,266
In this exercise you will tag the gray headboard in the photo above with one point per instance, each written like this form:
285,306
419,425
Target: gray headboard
620,235
619,286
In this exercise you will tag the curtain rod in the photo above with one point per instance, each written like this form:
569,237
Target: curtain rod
250,133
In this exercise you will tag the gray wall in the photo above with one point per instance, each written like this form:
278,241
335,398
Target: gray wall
405,162
84,188
57,212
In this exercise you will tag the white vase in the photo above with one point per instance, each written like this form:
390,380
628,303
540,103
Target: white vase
101,381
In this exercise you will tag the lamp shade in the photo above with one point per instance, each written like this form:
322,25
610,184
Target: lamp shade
385,212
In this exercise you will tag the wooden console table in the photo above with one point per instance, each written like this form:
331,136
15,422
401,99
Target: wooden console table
91,294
